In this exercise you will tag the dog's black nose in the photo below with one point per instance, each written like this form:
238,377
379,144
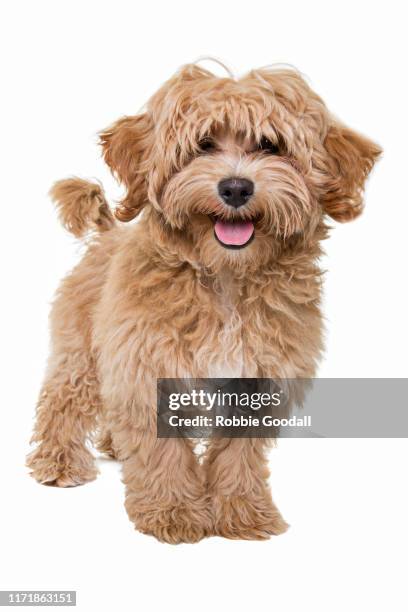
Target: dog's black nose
235,191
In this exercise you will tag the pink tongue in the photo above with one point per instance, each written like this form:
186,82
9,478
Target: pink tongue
235,233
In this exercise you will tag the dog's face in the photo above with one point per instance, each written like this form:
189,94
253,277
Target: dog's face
240,170
238,197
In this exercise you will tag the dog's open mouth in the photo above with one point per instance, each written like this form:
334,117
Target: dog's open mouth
235,234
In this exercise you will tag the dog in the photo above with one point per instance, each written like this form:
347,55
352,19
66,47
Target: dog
232,182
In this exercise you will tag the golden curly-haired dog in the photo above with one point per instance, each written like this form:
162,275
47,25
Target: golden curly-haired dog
232,181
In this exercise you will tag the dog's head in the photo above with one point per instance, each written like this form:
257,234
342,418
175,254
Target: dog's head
239,169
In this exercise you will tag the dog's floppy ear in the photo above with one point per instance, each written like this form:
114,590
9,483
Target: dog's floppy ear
351,157
126,146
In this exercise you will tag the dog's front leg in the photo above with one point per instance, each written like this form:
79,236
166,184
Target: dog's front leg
237,476
165,484
165,494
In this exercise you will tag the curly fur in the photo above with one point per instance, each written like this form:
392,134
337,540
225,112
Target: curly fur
81,206
162,298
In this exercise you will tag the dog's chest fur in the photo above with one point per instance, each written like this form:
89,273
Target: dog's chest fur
228,359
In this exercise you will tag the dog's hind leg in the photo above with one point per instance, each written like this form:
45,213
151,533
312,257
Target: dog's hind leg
104,442
66,415
69,403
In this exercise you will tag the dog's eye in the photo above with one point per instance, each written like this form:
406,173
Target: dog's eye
268,146
206,145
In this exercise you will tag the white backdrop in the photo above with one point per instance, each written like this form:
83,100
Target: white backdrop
68,70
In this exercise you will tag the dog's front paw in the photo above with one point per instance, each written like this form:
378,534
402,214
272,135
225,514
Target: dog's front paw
175,524
247,518
61,469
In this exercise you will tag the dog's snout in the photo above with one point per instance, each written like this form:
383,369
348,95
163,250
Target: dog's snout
235,191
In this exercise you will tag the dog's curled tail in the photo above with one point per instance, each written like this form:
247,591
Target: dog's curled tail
81,206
